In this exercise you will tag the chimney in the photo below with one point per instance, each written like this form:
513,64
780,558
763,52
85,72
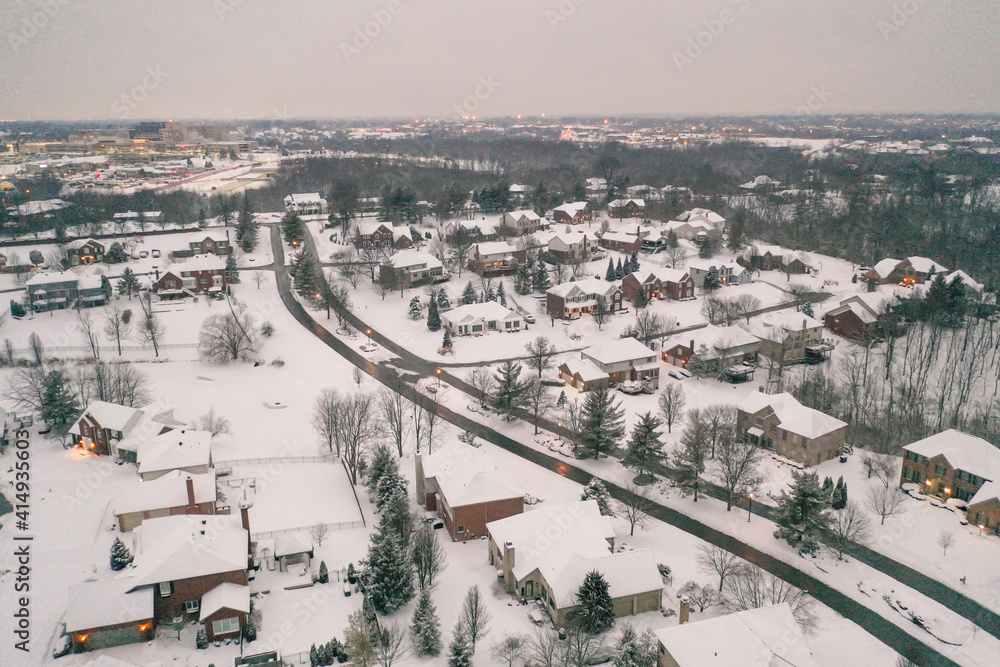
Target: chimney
760,388
691,346
509,557
685,612
245,517
192,506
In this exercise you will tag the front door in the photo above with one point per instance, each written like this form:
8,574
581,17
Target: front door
530,590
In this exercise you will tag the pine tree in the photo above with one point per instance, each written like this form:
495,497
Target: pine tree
415,308
426,628
603,424
388,573
246,227
128,283
523,280
388,484
541,281
293,229
807,310
672,239
561,401
324,574
645,448
633,264
596,610
828,485
442,300
636,650
433,316
447,343
711,282
689,460
307,275
509,394
121,557
838,500
59,404
460,650
501,295
202,222
640,300
383,462
800,513
489,295
397,518
595,490
627,267
469,294
619,270
610,274
232,274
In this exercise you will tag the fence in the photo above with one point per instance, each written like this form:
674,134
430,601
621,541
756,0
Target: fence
109,348
340,525
271,459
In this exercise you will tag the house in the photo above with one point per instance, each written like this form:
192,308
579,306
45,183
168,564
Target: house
65,289
494,258
293,549
402,237
624,360
92,290
764,258
224,611
658,283
698,215
954,464
373,234
178,449
574,298
780,423
694,229
84,251
211,244
766,636
723,346
595,187
307,203
857,316
726,273
546,553
463,486
475,319
519,223
176,492
184,557
102,614
409,268
572,213
762,183
789,337
909,271
471,231
199,274
102,426
583,374
627,208
621,241
571,247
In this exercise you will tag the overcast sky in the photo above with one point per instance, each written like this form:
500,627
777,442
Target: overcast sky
95,59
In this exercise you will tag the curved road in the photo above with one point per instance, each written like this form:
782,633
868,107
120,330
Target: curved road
873,623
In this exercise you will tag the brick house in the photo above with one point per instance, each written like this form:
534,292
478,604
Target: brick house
84,251
103,614
211,244
461,484
727,345
910,271
954,464
409,268
520,223
200,274
571,247
787,336
625,360
577,540
572,299
224,611
780,423
664,283
857,317
572,214
176,492
371,234
102,426
621,241
627,208
494,258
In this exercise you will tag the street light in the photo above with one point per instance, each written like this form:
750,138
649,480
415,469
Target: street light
439,378
982,527
749,506
369,332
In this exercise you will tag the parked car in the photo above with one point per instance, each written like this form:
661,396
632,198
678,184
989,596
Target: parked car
675,375
530,319
630,387
156,253
143,254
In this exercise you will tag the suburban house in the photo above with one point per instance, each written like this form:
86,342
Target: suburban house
688,230
472,231
703,215
789,337
102,614
185,557
726,273
775,258
909,271
546,553
306,203
571,247
475,319
658,283
523,222
84,251
753,638
622,241
65,289
625,360
595,187
627,208
573,213
409,268
224,611
178,449
574,298
176,492
857,316
199,274
104,426
726,346
373,234
954,464
462,485
780,423
211,244
494,258
583,374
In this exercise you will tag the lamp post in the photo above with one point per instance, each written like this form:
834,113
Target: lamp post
369,332
749,506
439,378
982,527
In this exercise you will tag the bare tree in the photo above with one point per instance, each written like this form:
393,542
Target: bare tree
228,337
750,587
120,383
720,422
581,649
483,382
882,466
26,388
214,423
431,402
259,278
715,560
150,328
88,329
540,353
677,256
848,525
352,273
649,325
355,427
636,507
428,556
475,616
600,314
545,649
672,402
358,376
117,325
715,309
885,501
539,401
738,469
318,532
390,643
324,417
37,348
509,649
745,305
945,539
392,410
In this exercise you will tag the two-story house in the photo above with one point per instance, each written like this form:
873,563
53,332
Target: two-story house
469,231
494,258
780,423
726,273
84,251
658,283
409,268
572,299
572,213
108,429
857,316
519,223
625,360
786,336
52,291
909,271
306,203
627,208
213,243
373,234
722,346
571,247
200,274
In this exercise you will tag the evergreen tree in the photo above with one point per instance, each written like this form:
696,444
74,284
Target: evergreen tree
426,628
115,254
636,650
202,222
800,513
619,270
633,264
640,300
561,401
838,500
595,490
460,650
415,308
706,249
489,295
807,310
610,274
541,280
433,316
246,227
644,449
711,282
689,460
59,405
596,610
442,300
469,294
293,229
828,485
121,557
383,462
232,274
397,518
324,574
388,573
501,295
509,395
307,275
389,483
128,283
603,424
446,343
523,279
627,267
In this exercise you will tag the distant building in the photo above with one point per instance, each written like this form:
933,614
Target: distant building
909,271
789,337
470,231
84,251
780,423
572,214
627,208
674,284
306,203
523,222
410,268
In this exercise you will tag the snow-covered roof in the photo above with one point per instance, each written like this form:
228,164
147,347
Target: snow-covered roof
713,337
627,573
467,476
40,206
170,490
963,451
79,243
988,491
185,546
109,415
471,312
664,275
149,425
302,198
409,258
767,637
704,214
619,236
925,265
572,208
625,202
52,277
713,265
860,311
673,225
527,214
290,544
96,604
567,238
764,325
225,596
175,449
203,262
885,266
617,351
587,286
492,248
966,278
94,281
586,369
794,417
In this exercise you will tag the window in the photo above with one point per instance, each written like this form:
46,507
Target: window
774,427
165,589
191,606
225,626
941,470
912,456
784,435
461,529
760,421
908,474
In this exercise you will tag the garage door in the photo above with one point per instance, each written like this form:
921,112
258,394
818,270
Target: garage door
115,637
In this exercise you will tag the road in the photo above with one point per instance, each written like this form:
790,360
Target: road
873,623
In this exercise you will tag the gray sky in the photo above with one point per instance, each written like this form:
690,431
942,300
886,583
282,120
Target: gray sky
91,59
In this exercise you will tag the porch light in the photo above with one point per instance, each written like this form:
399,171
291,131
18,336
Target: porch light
947,490
144,627
82,638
